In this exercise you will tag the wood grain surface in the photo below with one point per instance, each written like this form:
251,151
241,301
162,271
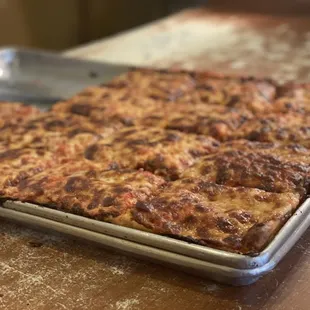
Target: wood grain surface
48,271
244,43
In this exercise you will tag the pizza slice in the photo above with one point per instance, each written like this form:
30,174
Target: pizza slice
288,153
234,219
85,189
245,93
200,88
290,128
35,151
49,127
19,164
108,112
219,122
163,152
240,164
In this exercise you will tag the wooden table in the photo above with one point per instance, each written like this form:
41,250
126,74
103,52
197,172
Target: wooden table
49,271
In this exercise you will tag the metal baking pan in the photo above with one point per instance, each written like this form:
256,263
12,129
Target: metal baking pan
42,78
222,266
60,78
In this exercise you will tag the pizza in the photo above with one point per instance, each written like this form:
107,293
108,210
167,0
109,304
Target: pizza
12,113
18,164
237,219
215,121
164,152
287,153
284,128
83,188
237,164
109,105
220,161
293,97
15,111
49,122
200,88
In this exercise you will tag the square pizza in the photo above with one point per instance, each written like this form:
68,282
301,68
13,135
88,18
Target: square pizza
83,188
284,128
271,168
18,164
221,161
131,96
235,219
211,120
200,88
161,151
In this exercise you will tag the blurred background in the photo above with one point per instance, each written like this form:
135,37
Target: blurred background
61,24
